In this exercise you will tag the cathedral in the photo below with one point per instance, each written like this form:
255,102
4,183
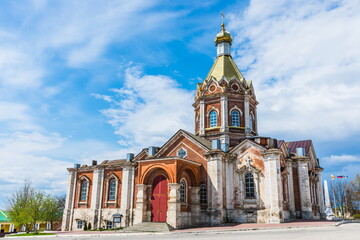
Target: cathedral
224,172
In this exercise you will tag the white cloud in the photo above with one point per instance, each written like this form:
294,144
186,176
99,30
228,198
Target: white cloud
148,109
24,155
340,159
16,116
303,58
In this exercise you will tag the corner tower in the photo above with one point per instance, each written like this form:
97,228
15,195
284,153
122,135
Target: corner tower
225,103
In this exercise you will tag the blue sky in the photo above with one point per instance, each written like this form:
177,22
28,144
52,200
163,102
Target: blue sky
84,80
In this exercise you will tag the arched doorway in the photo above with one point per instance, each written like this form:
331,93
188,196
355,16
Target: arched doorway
159,199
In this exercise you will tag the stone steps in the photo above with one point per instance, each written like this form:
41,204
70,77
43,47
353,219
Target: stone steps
149,227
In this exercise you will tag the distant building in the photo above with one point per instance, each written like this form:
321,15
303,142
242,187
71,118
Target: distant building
6,225
225,172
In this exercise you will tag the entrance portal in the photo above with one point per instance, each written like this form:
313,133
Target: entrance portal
159,199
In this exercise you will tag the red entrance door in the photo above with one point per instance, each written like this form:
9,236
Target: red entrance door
159,199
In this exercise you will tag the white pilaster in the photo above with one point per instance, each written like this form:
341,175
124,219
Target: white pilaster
141,201
229,175
247,114
195,206
69,202
174,205
98,177
127,192
304,188
215,186
291,188
224,113
273,186
202,117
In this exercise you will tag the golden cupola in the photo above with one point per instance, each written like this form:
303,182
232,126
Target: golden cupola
223,36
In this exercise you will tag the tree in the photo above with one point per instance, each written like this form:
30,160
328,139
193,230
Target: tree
346,195
28,206
19,205
52,209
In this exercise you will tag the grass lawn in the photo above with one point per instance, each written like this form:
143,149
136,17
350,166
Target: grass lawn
30,234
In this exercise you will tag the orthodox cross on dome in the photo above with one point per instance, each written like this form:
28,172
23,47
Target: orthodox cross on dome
223,18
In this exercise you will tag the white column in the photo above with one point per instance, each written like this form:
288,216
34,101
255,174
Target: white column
127,192
273,186
215,186
202,117
174,206
11,228
291,188
69,202
195,206
321,201
224,113
247,114
229,175
141,202
304,187
98,180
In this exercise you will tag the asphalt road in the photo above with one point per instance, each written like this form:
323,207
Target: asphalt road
349,231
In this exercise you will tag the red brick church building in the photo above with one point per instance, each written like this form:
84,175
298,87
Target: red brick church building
224,172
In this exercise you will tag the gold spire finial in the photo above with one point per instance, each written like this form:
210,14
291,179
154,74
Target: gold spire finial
223,35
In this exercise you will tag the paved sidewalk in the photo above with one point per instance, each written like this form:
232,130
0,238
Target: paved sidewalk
225,227
257,226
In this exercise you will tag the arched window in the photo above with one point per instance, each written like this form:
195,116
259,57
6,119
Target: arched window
235,118
249,186
83,191
183,191
112,190
251,122
203,194
213,118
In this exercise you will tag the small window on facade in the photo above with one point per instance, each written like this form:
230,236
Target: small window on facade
213,119
112,189
249,186
251,122
83,191
235,118
109,225
183,190
203,194
80,224
181,153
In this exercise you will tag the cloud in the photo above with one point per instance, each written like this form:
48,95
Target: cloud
16,116
303,58
24,155
340,159
148,109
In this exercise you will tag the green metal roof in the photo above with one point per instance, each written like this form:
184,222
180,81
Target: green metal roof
4,216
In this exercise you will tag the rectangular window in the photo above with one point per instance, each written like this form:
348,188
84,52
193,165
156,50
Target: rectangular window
109,225
80,224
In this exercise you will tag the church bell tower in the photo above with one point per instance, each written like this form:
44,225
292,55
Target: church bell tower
225,103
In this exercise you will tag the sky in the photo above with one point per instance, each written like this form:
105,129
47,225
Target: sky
94,80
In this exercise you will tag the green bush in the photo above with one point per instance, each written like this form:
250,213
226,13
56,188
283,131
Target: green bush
85,227
89,226
356,216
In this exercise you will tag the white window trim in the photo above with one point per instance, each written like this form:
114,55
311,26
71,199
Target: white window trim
81,180
108,179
